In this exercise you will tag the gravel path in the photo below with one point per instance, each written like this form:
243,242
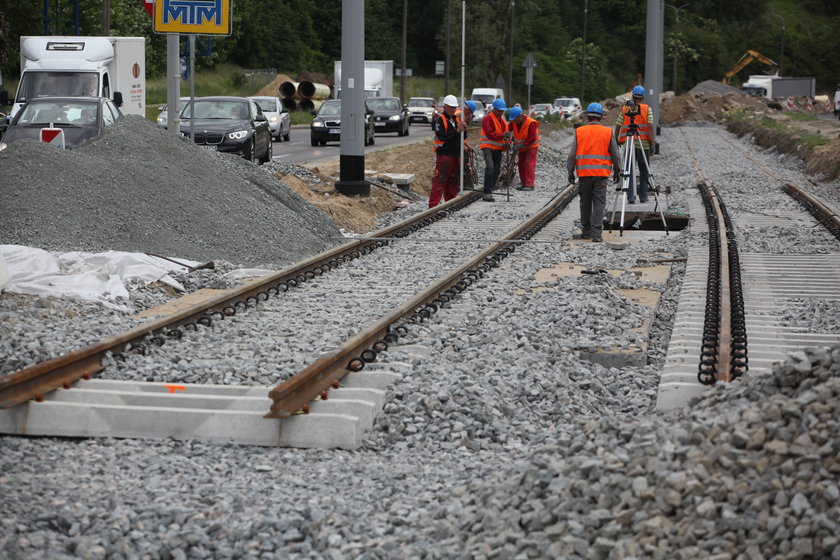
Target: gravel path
501,443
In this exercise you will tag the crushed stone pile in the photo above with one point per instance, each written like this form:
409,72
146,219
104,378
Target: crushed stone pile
138,188
750,470
709,105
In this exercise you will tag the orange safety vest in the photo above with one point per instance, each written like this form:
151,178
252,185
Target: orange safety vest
501,128
641,120
437,142
592,157
520,135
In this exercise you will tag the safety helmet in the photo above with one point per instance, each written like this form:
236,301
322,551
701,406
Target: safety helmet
595,110
500,105
638,91
450,100
515,112
471,105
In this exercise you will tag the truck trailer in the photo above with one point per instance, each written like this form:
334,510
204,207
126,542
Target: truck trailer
112,67
379,78
778,87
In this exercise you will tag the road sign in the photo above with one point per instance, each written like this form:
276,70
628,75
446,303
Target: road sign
204,17
149,5
54,136
529,65
529,62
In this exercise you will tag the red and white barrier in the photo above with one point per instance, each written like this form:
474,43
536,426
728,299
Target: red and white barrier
53,136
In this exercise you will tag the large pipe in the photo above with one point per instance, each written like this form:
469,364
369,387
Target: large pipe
306,105
288,89
310,90
290,103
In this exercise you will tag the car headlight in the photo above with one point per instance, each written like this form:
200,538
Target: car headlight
238,135
272,118
394,118
3,146
160,119
317,124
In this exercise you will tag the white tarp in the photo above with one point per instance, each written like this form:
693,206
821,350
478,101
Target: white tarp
96,277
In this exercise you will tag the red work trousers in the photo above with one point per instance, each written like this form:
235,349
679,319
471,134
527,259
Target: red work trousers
445,182
527,167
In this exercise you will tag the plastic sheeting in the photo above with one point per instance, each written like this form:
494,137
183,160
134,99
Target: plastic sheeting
95,277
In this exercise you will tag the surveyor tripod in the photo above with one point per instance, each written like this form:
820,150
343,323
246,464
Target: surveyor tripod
628,170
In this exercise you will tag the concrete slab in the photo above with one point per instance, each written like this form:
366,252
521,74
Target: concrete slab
400,178
370,379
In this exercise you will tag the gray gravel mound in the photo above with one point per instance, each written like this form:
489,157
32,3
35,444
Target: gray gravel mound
137,188
714,86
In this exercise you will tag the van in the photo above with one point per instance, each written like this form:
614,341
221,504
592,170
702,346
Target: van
487,95
569,106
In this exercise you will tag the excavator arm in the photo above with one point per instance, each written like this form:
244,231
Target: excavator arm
747,57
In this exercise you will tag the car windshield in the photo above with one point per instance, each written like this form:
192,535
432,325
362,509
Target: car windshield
65,113
563,103
216,109
384,104
541,107
57,84
267,105
330,110
421,103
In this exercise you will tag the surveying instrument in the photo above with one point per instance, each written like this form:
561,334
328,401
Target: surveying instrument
628,169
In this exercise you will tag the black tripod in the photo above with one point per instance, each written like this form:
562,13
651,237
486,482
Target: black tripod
628,167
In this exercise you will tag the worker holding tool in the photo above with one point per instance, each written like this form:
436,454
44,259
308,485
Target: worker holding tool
594,152
447,145
526,140
642,116
494,140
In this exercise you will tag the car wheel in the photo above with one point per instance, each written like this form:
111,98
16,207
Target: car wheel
287,136
372,139
269,152
313,142
249,152
322,142
407,125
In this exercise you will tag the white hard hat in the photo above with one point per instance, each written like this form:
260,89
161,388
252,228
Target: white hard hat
450,100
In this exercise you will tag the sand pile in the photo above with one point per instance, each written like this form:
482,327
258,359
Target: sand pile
708,101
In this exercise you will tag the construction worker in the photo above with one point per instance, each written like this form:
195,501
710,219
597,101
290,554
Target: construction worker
594,152
494,140
526,140
447,145
644,121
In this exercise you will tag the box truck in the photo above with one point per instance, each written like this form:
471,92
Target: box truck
775,87
112,67
379,78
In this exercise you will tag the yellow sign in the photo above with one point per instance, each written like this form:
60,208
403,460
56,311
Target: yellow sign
201,17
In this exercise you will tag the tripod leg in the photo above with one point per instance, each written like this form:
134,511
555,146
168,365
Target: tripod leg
652,186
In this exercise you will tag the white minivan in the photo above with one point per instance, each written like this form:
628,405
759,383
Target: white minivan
570,106
487,95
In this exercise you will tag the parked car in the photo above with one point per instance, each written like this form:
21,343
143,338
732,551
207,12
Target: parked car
278,116
479,112
81,119
230,125
390,115
421,109
570,106
542,110
326,124
162,118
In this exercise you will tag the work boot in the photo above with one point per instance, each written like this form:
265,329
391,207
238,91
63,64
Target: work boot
597,239
488,197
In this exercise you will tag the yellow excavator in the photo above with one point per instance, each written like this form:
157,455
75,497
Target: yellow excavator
748,57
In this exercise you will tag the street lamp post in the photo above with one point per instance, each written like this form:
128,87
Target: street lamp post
782,54
676,50
583,51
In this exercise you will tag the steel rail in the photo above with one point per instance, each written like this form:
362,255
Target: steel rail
37,380
314,381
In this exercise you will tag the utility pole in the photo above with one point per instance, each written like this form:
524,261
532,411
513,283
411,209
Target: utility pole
353,130
510,64
106,18
448,48
405,32
583,52
782,56
676,38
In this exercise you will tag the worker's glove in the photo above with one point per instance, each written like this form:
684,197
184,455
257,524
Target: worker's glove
508,134
571,178
516,148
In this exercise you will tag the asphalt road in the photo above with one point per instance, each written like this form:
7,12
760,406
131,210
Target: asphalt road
299,150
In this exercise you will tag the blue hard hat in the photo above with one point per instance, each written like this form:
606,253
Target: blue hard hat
500,105
471,105
639,91
515,112
595,109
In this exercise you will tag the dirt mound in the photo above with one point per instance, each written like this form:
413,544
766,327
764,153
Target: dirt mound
273,88
709,105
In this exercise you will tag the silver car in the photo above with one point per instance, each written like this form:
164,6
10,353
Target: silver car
421,109
277,116
162,118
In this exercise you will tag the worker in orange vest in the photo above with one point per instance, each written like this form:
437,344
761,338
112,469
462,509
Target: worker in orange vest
526,140
494,140
447,145
594,153
644,126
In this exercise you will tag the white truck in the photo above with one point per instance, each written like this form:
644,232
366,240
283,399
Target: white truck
379,78
112,67
487,95
775,87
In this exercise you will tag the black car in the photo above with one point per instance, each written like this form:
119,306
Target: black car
390,115
326,123
229,124
80,118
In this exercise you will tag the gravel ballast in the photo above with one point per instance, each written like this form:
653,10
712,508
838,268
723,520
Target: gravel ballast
501,441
